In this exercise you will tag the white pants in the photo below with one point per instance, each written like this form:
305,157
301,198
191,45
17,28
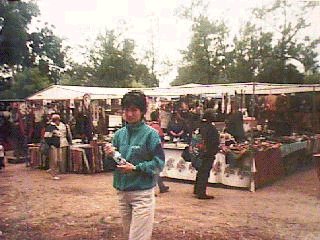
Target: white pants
137,210
54,159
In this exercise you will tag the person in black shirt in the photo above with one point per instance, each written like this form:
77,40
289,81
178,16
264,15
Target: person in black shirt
176,128
234,125
211,139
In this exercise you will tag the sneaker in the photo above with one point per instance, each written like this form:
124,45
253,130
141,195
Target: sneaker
165,189
55,178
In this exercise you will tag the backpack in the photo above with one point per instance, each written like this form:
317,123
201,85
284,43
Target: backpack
196,149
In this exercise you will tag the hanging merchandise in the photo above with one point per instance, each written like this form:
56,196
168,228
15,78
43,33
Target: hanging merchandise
86,100
228,104
71,103
108,104
270,102
223,103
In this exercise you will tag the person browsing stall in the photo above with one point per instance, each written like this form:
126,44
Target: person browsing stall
211,139
58,137
176,128
156,126
135,178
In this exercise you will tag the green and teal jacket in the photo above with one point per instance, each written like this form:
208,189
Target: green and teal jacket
140,145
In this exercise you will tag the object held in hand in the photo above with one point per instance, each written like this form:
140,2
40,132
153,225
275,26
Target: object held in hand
118,158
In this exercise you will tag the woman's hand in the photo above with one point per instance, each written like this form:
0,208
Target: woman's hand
126,168
109,149
180,133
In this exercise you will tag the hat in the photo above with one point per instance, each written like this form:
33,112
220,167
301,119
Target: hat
55,116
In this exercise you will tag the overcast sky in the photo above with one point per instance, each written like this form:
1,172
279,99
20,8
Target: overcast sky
79,22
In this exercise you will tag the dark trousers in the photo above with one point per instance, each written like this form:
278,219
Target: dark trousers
203,176
160,183
1,162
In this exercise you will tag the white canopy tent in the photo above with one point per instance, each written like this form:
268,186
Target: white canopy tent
61,92
232,89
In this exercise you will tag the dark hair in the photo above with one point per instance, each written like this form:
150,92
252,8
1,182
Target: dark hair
208,115
135,98
154,116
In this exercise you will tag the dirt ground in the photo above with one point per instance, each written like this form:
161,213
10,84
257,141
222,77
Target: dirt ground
33,206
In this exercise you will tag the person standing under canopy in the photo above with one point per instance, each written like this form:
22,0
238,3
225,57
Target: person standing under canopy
211,141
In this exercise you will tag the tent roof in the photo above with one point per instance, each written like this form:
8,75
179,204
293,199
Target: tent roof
232,88
61,92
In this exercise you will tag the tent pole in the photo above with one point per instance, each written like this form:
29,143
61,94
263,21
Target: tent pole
253,101
314,120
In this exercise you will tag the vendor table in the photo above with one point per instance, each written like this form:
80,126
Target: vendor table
268,166
86,158
317,164
176,167
258,168
35,155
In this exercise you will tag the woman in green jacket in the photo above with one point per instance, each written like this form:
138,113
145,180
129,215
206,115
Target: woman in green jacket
135,178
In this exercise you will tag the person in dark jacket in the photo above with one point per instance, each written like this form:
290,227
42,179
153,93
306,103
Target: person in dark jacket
211,140
234,125
176,128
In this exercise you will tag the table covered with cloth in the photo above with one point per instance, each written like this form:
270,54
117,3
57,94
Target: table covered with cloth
86,158
256,169
177,168
35,155
268,166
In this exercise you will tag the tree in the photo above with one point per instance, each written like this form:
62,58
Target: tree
312,78
112,63
151,57
251,50
14,19
77,74
204,59
264,50
47,52
27,82
13,32
289,46
20,50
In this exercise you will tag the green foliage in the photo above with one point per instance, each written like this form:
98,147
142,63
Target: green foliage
21,52
27,82
78,74
205,59
256,54
47,47
113,64
13,35
312,79
288,46
47,52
